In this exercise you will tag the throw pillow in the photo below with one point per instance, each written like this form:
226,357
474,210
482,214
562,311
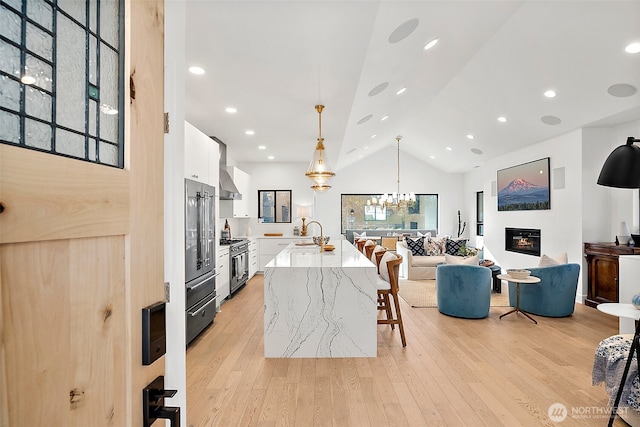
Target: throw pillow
546,260
416,246
434,246
454,246
384,270
427,234
357,236
453,259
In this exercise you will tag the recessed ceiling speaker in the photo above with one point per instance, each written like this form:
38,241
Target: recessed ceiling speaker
558,178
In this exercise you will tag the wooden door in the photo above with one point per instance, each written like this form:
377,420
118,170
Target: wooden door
81,253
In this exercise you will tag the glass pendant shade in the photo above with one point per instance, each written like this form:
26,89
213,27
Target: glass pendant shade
622,167
319,169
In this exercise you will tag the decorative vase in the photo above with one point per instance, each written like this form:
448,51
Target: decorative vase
635,300
624,235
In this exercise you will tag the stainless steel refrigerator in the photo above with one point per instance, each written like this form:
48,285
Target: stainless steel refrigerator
200,271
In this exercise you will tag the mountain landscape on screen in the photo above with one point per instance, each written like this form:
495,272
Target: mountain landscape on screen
523,195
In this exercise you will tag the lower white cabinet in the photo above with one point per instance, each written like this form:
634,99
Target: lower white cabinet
253,257
269,247
222,280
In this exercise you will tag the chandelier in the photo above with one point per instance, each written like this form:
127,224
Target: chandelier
319,170
395,199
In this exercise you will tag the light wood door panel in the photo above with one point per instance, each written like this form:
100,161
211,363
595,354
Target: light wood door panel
64,331
81,253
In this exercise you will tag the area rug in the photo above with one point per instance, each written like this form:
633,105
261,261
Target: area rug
422,294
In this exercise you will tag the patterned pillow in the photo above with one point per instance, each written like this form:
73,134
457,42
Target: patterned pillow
454,246
434,247
416,246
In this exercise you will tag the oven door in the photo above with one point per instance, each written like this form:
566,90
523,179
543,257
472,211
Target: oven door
239,270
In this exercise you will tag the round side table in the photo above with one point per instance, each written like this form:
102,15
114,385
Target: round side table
526,280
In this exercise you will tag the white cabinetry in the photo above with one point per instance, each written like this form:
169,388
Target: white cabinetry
269,247
237,208
200,156
253,257
222,280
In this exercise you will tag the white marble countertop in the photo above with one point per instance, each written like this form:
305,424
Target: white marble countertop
344,255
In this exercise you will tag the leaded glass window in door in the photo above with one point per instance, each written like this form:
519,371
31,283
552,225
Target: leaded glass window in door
61,77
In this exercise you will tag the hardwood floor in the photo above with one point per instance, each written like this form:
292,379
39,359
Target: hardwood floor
453,372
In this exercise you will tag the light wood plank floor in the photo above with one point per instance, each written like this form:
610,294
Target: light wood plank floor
453,372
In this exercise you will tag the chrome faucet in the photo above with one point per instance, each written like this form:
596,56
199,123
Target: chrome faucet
321,236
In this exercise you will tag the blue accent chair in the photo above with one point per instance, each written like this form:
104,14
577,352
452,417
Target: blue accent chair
553,296
463,290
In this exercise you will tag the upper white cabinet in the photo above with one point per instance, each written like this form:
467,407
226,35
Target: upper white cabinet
237,208
200,156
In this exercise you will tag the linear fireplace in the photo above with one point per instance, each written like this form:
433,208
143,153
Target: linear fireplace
522,240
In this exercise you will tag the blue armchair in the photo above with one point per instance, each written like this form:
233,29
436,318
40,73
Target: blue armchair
553,296
463,290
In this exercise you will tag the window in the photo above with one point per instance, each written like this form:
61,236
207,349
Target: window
359,214
480,213
61,85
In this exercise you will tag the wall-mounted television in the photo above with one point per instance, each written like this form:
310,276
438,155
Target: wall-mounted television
524,187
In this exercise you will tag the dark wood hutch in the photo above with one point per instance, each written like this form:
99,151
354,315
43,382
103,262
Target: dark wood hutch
602,270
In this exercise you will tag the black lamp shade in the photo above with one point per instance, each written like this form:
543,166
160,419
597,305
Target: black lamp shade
622,167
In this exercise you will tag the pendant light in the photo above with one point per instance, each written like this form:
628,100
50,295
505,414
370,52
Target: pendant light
395,199
319,170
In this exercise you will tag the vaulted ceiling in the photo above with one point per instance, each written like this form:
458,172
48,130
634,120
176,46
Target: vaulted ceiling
275,60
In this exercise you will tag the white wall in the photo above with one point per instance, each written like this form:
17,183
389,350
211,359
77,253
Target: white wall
375,174
580,212
175,359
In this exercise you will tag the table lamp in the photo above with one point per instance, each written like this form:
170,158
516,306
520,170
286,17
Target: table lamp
303,212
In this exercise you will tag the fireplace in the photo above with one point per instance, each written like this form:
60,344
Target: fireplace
522,240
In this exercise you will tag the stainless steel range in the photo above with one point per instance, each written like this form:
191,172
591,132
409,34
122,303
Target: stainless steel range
239,262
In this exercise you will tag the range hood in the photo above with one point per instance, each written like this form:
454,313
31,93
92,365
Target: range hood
227,189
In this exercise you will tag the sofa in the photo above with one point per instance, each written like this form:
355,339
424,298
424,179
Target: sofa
554,295
421,267
384,232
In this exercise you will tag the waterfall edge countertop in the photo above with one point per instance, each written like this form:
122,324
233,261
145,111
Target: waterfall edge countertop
320,304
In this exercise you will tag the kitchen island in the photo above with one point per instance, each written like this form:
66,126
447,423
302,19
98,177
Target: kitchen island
320,304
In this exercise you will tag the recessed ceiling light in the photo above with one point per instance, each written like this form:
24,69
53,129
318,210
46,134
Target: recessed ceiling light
366,147
270,157
431,44
633,48
449,148
28,80
401,91
249,132
231,110
373,136
262,147
469,136
383,118
502,119
432,156
550,93
476,151
196,70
